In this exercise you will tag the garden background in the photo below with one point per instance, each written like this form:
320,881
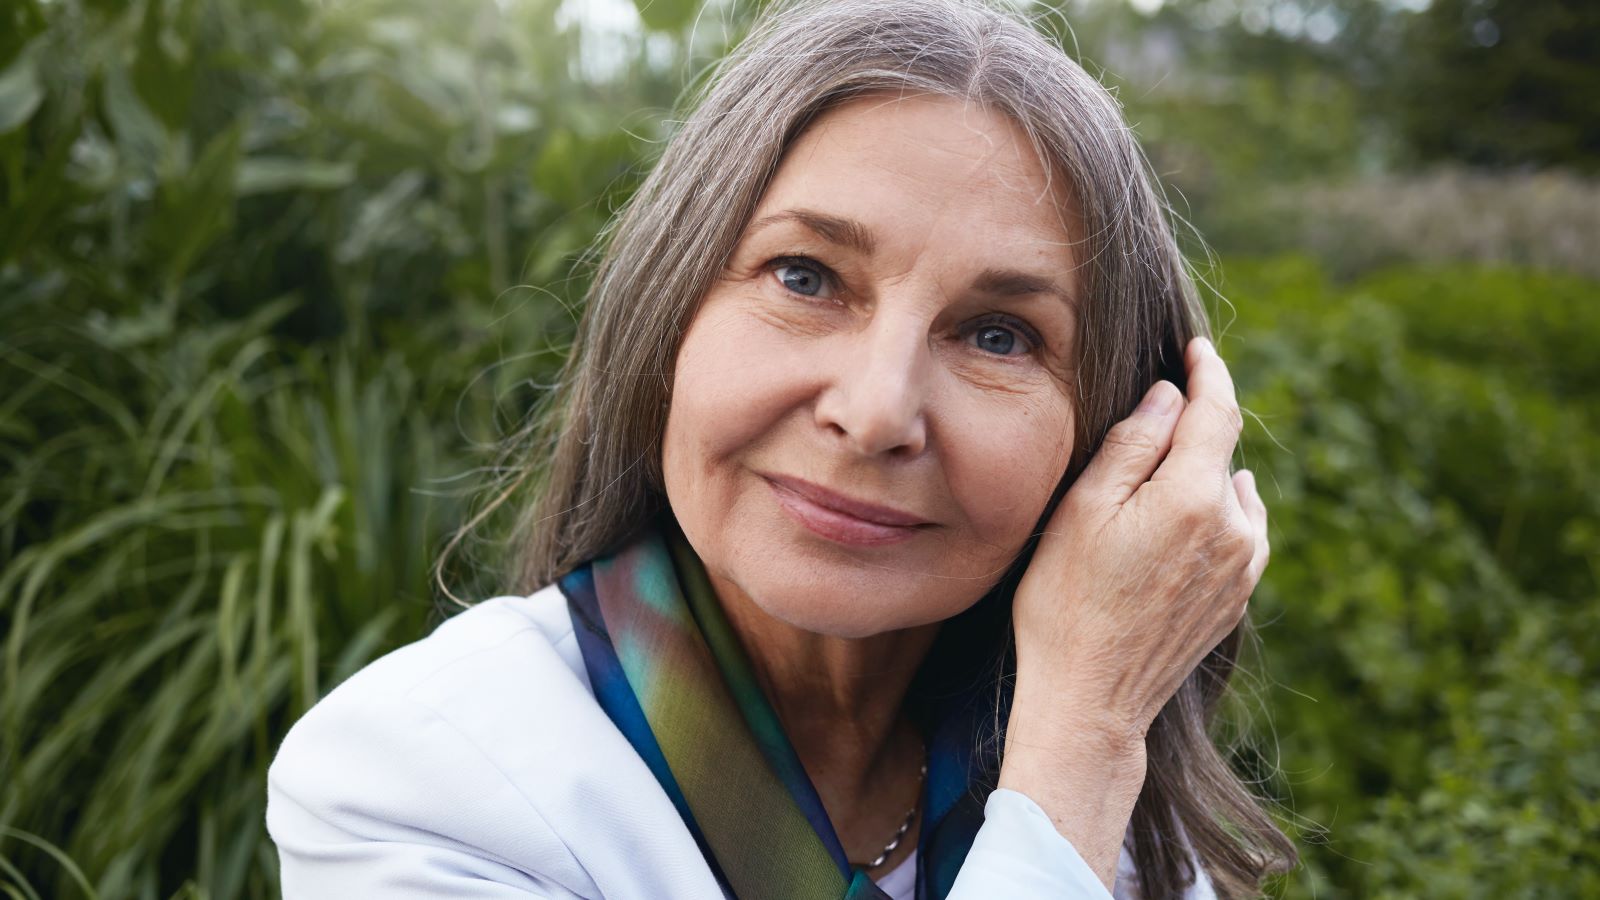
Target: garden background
276,274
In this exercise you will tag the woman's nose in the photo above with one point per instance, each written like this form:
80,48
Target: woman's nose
876,398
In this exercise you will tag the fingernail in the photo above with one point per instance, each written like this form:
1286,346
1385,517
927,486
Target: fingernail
1159,400
1205,344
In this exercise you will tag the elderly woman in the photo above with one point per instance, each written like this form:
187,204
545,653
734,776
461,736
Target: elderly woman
885,543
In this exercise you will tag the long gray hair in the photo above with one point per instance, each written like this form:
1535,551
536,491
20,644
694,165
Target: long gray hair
590,461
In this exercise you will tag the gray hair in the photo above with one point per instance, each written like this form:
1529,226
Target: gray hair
592,457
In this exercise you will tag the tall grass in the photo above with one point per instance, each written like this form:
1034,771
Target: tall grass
203,536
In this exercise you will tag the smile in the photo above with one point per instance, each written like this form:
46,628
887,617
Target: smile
818,510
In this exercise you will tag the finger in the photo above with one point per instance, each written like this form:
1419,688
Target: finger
1244,483
1208,430
1133,448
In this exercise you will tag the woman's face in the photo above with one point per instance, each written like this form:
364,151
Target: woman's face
895,329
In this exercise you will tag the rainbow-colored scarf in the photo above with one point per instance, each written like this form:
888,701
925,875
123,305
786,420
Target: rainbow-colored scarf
670,672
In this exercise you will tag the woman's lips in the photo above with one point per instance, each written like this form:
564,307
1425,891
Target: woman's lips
834,524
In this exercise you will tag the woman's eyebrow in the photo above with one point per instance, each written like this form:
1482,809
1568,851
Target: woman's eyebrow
833,229
852,234
1014,283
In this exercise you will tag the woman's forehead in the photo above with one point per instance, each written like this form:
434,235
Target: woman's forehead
921,168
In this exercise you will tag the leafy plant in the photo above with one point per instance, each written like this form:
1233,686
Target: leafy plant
1426,440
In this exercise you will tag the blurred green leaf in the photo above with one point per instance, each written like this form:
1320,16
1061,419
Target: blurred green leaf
261,175
666,15
195,208
20,91
140,136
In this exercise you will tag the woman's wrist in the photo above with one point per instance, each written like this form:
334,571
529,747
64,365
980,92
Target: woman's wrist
1083,765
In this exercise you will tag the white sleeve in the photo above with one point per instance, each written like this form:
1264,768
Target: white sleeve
378,797
1018,853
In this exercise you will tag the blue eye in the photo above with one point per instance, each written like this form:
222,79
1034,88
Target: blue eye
1001,338
801,276
996,339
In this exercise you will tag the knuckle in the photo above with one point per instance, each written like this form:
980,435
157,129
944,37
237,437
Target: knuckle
1228,543
1232,418
1239,542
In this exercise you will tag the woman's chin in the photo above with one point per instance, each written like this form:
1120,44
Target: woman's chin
841,606
841,615
821,586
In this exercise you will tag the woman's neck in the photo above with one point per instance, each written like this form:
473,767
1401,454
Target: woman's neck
840,702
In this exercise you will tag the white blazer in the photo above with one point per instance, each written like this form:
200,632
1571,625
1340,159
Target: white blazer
476,763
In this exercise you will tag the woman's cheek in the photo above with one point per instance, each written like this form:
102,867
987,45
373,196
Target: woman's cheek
1008,469
734,380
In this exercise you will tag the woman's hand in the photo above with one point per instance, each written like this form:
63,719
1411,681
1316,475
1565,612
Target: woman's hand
1146,564
1149,559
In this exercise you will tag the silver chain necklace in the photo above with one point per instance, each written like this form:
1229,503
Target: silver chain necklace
906,825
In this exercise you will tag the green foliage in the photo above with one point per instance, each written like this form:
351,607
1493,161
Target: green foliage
266,276
273,274
1426,443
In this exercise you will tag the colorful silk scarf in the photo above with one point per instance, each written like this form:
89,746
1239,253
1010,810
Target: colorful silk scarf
670,672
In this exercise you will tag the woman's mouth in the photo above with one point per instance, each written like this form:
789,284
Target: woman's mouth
817,509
